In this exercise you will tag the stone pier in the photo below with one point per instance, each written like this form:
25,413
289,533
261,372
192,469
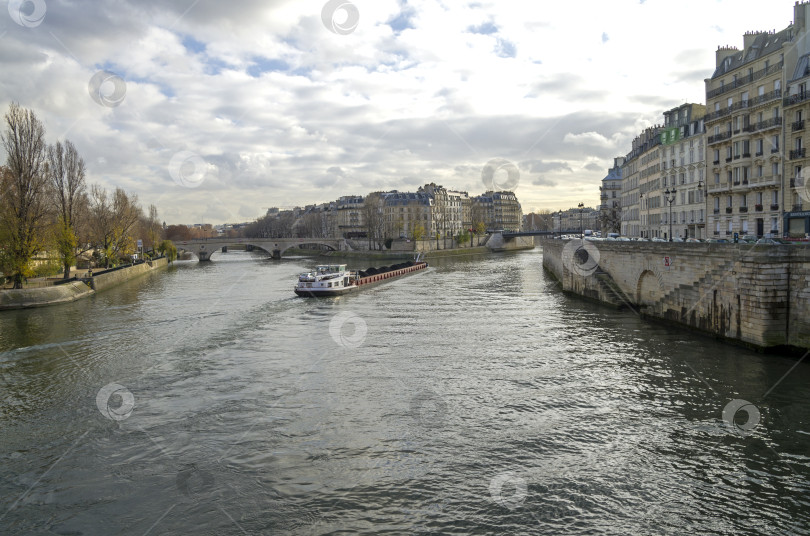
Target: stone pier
757,295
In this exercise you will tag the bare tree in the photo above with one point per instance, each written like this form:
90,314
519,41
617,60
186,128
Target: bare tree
374,212
153,229
66,172
113,219
23,192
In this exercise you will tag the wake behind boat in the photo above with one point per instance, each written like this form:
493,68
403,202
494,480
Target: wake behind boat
335,280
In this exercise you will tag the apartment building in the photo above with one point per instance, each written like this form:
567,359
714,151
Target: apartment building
350,218
641,166
744,127
796,103
498,210
610,197
679,188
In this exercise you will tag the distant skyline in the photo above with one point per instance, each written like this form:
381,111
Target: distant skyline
215,111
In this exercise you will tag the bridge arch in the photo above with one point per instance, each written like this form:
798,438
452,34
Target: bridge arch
293,246
204,249
649,289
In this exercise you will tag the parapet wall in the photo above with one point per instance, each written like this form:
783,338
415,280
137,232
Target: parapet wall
111,279
40,297
759,295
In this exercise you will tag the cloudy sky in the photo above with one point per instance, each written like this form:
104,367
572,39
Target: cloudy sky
216,110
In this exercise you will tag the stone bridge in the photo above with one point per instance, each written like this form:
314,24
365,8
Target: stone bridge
203,248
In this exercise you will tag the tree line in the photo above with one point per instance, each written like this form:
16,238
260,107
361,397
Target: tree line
46,206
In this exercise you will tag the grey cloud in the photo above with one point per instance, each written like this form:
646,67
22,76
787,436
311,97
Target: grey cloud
540,166
540,180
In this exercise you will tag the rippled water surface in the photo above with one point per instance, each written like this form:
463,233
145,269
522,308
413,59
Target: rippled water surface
473,398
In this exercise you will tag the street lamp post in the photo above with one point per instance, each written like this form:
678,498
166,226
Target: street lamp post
669,196
641,199
581,233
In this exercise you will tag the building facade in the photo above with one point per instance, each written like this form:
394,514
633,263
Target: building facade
745,141
350,217
498,211
796,103
642,165
681,179
610,196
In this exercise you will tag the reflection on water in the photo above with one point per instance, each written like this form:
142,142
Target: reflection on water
472,398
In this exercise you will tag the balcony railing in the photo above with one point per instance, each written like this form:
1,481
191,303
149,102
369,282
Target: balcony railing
774,206
717,211
796,99
770,123
758,208
774,150
797,125
729,210
714,138
746,155
797,208
758,153
743,209
728,159
743,80
798,153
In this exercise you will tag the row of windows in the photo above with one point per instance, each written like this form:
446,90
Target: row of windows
758,197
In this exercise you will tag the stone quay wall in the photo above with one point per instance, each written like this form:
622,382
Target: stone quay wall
110,279
757,295
43,296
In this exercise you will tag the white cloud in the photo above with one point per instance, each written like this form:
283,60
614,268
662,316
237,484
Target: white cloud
286,112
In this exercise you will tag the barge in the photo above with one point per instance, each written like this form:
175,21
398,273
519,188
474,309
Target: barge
335,280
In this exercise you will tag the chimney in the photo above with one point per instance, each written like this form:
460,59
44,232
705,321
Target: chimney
749,38
800,15
723,53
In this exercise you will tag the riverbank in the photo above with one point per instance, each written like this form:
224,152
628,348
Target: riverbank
751,295
11,299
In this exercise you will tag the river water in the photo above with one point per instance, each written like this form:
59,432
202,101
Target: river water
472,398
